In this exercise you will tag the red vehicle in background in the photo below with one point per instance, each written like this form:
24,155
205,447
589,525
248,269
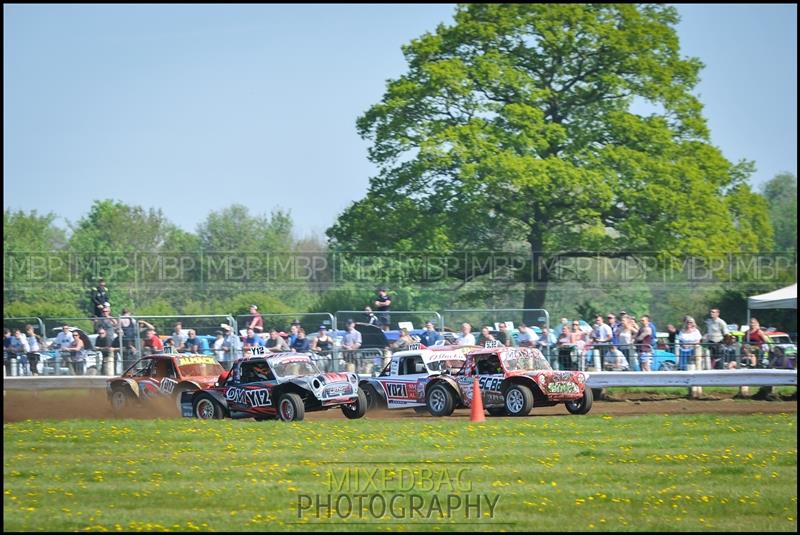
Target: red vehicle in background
511,381
162,376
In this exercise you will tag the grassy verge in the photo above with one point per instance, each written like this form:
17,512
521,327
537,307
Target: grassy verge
591,473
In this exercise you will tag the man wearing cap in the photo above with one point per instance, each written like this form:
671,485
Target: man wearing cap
100,298
430,336
230,343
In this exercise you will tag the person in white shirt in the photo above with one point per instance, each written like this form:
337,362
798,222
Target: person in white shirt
465,337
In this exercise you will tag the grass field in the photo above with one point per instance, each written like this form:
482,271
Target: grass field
590,473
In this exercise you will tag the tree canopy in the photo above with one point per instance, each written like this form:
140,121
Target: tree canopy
519,125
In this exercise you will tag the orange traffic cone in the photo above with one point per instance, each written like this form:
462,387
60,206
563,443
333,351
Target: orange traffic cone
477,404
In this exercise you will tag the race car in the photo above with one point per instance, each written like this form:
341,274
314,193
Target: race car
283,385
396,386
161,376
511,382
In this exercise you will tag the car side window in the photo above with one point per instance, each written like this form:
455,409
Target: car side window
248,374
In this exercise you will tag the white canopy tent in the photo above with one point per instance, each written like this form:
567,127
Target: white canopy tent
783,298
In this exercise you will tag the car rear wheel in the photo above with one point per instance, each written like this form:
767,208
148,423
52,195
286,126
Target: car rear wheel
581,405
518,400
357,409
291,408
440,401
120,400
207,408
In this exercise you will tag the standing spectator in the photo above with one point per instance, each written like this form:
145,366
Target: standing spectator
20,349
105,320
430,336
322,342
503,336
352,338
716,329
294,329
382,304
63,341
230,344
276,343
300,344
372,319
196,344
527,337
35,343
100,298
77,352
601,333
219,352
729,348
566,346
644,343
625,337
105,344
128,328
465,337
615,327
152,342
179,338
753,340
255,321
672,336
547,340
688,338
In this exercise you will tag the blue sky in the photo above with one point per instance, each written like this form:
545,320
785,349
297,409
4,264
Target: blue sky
191,108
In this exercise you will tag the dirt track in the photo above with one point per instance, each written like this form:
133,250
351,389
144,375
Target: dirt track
62,405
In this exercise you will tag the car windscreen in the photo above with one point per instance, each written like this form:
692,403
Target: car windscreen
198,365
292,367
524,359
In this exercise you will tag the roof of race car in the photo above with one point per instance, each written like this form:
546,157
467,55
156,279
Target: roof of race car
437,353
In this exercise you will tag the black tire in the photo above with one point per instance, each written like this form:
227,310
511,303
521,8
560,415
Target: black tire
206,407
374,400
121,399
358,409
497,411
582,405
518,400
439,400
291,408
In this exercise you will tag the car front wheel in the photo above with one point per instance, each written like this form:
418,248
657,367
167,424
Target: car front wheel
357,409
581,405
207,408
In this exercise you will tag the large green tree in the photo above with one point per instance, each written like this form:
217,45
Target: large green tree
517,125
781,194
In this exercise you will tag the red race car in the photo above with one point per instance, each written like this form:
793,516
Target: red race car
511,381
162,376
